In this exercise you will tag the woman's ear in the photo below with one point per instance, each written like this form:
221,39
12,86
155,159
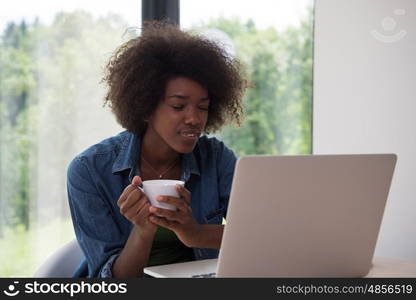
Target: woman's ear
148,118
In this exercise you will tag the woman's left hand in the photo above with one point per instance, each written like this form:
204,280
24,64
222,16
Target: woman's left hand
180,221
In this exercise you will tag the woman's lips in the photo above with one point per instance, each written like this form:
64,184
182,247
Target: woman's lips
190,135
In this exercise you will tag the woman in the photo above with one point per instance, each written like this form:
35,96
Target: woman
166,88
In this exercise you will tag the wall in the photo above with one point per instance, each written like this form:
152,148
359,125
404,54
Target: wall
365,99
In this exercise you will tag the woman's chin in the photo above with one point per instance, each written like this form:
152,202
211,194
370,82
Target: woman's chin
183,149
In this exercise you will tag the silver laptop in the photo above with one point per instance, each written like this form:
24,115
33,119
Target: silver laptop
299,216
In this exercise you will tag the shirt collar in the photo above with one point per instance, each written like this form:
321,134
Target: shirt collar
130,149
189,166
127,156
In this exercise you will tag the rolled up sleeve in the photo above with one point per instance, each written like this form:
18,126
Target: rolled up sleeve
106,270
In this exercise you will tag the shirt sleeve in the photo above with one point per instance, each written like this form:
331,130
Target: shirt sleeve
106,270
226,165
95,227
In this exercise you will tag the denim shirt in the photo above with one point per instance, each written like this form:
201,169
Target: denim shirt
98,176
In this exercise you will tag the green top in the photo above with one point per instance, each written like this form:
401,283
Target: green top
168,249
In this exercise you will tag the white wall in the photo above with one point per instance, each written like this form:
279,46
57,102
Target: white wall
365,99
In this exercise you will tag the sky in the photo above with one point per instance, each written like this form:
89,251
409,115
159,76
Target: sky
265,13
16,10
277,13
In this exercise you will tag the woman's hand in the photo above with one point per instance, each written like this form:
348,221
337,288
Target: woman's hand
134,205
180,221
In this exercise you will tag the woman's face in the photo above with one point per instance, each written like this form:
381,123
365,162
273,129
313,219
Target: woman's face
181,115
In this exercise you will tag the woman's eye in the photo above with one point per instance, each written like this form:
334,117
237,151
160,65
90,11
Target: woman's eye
204,108
177,107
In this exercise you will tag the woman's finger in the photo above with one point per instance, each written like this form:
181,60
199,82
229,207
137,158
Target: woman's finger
136,182
162,222
142,214
131,200
166,213
135,209
125,194
184,193
179,203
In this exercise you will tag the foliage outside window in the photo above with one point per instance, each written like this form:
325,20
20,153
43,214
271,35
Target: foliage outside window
279,103
50,110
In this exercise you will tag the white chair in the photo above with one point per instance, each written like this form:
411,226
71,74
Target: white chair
62,263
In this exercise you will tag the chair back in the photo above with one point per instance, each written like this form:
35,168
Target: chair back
62,263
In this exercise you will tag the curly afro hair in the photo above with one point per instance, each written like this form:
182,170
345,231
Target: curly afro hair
139,70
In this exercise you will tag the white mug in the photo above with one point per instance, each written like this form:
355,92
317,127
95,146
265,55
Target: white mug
161,187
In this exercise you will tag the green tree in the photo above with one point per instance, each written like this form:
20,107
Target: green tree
49,82
278,104
17,85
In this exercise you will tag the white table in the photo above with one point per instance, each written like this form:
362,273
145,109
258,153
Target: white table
392,267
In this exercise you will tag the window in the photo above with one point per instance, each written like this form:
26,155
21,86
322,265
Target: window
274,41
52,54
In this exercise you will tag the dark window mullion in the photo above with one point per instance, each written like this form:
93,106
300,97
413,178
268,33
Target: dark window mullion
160,10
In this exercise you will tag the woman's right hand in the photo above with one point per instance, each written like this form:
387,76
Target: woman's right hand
134,205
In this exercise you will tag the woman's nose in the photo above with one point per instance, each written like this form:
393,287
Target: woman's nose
192,117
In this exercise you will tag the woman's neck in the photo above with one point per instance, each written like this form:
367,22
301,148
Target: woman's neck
155,151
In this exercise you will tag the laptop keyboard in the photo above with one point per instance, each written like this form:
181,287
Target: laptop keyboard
208,275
